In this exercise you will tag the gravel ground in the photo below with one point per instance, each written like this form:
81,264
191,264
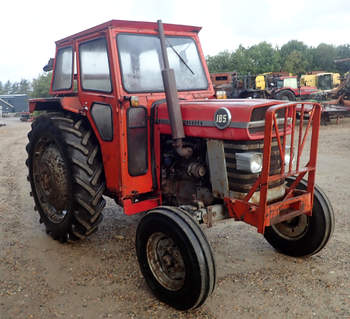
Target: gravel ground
100,277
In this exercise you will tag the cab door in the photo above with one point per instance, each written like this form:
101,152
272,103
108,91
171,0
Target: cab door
97,95
122,130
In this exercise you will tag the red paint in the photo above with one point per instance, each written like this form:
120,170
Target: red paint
302,92
196,106
204,110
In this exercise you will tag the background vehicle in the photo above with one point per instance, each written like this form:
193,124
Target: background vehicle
24,116
236,85
144,128
286,87
322,81
272,85
222,79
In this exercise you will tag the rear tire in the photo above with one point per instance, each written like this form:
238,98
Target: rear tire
285,95
175,258
304,235
66,176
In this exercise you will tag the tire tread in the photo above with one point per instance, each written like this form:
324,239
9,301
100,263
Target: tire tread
88,180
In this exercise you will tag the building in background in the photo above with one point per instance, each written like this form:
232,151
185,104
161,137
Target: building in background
14,103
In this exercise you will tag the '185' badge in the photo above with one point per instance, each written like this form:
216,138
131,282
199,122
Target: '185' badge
222,118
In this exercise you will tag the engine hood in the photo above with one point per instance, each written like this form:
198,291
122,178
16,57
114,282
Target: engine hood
199,118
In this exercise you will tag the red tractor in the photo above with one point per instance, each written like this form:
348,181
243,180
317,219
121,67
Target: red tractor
287,88
133,116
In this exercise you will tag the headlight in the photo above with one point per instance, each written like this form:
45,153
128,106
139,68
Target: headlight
249,162
221,95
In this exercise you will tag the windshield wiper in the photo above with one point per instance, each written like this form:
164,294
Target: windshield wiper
180,57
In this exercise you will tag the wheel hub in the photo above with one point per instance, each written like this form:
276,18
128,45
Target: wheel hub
165,261
51,182
292,229
45,179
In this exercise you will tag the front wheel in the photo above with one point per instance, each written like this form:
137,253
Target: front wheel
175,258
304,235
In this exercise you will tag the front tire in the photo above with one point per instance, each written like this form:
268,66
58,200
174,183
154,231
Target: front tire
175,258
304,235
66,176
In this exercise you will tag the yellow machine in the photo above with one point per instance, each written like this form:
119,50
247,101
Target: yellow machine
263,80
323,81
260,83
336,79
308,80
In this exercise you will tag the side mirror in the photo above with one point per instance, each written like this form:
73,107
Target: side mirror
49,66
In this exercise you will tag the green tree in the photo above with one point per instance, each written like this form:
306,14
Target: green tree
221,62
241,61
295,63
8,87
294,52
41,85
343,52
15,88
263,58
24,87
323,57
293,45
259,58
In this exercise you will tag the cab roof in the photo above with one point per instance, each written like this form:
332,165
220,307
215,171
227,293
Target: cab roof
125,24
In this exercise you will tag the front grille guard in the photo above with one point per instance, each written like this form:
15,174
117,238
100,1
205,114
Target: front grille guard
295,202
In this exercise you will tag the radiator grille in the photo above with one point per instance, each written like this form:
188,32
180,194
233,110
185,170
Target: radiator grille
243,181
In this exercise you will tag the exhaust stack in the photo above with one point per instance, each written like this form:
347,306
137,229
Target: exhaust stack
174,111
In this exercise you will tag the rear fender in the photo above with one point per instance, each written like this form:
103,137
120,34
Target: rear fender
69,103
282,90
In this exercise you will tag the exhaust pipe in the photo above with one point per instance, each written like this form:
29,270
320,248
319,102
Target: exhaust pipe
172,100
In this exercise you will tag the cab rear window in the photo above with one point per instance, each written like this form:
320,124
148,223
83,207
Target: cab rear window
63,69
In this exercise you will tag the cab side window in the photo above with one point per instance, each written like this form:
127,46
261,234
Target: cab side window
94,66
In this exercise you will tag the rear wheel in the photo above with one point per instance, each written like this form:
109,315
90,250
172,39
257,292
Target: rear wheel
304,235
175,258
285,95
66,176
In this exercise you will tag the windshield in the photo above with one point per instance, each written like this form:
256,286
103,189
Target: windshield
280,84
141,63
291,83
325,82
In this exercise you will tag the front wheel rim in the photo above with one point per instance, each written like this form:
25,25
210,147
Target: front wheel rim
294,228
165,261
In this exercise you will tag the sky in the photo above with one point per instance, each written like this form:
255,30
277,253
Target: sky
29,29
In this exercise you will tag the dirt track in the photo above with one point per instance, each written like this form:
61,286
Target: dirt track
100,278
